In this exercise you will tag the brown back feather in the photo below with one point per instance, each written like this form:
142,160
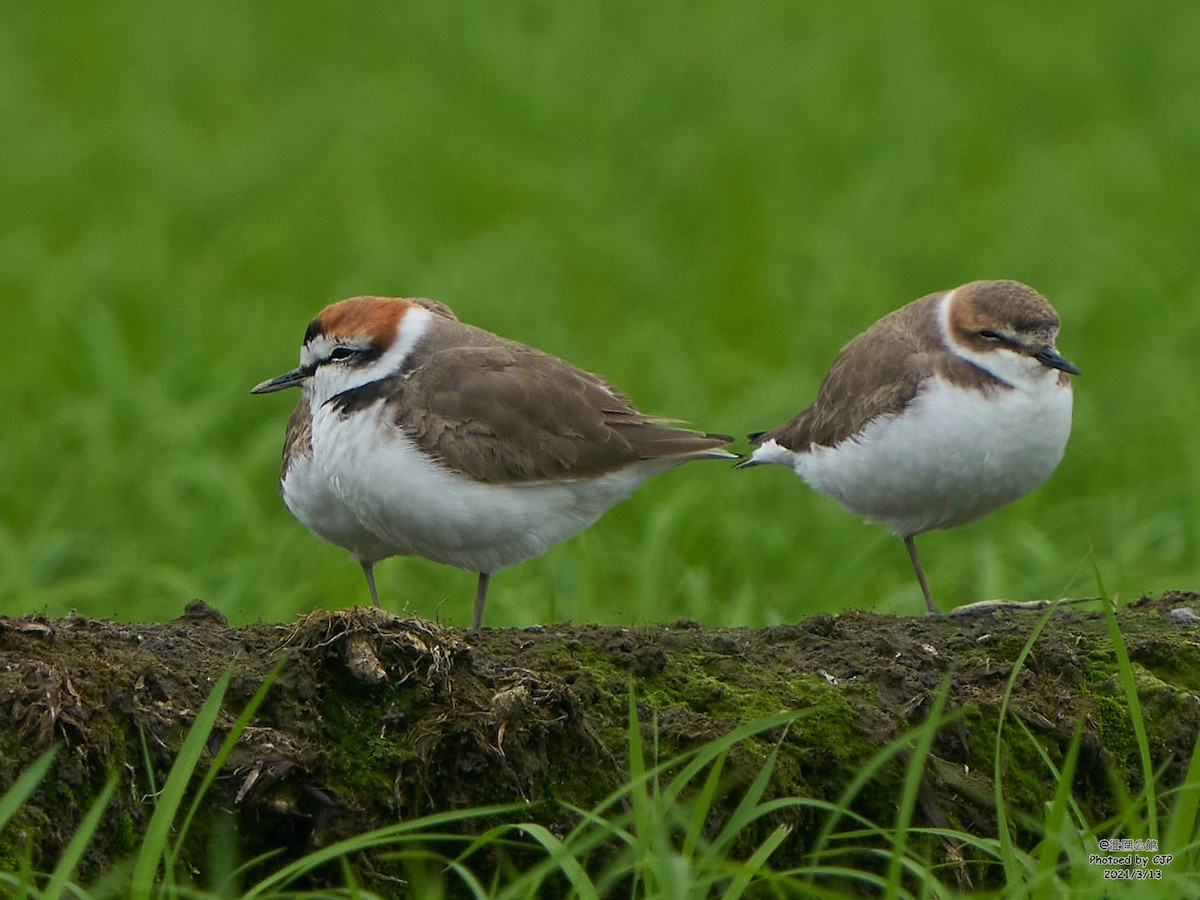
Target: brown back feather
877,374
500,411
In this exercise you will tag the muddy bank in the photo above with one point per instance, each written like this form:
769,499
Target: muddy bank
375,719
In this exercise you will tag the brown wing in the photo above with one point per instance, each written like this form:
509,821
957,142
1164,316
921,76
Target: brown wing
501,412
876,374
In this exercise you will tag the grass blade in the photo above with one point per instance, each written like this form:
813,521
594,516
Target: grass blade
1056,814
746,810
912,785
1129,689
1008,851
1182,825
25,785
702,805
841,809
214,767
1079,818
755,863
639,795
79,843
154,844
564,859
415,829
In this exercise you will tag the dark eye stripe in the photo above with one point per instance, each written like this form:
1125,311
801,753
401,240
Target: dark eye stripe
356,356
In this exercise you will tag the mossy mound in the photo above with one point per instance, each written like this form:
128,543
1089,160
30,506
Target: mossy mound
376,719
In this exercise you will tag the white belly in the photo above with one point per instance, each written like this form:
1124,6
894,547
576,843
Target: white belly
953,456
419,508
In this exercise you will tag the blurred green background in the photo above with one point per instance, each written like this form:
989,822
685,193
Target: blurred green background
701,201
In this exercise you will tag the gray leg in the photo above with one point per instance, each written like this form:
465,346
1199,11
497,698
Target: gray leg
368,567
911,544
480,599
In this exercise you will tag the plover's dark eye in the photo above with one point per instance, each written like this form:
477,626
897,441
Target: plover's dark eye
988,335
338,353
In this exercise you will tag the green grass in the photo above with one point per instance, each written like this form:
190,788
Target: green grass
703,202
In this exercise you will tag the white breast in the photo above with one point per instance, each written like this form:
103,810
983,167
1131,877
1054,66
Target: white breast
311,499
418,507
951,457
